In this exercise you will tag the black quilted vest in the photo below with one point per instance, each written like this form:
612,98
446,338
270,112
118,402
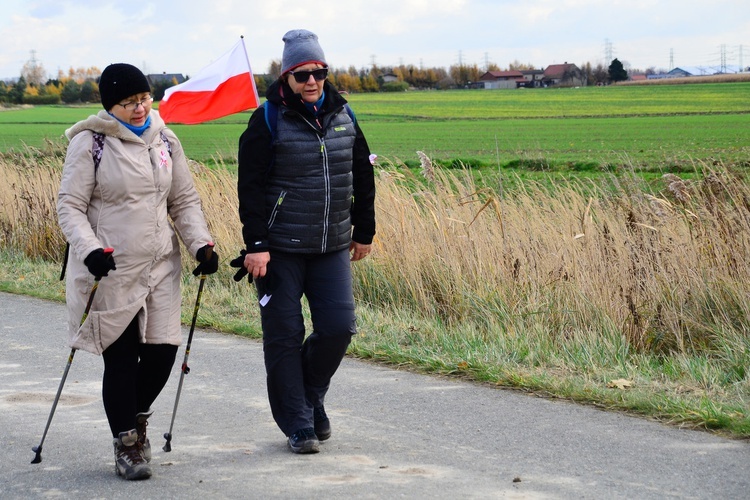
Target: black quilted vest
309,186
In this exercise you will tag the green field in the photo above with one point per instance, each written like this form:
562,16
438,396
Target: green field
654,128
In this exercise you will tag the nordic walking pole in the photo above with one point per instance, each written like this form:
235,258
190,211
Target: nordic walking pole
185,368
38,449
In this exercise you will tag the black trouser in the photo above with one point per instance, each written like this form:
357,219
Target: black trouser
299,370
134,375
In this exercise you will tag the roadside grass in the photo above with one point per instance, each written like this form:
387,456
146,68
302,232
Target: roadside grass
627,295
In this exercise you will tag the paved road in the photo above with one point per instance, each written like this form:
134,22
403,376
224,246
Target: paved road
395,434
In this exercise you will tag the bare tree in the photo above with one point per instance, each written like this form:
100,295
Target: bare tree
33,72
274,69
517,65
601,75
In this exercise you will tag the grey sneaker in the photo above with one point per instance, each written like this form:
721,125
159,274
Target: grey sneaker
322,423
129,461
304,441
141,422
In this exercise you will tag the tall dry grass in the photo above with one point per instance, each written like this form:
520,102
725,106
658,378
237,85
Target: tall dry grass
28,219
665,271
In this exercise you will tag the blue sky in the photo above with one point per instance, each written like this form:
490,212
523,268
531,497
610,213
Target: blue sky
182,36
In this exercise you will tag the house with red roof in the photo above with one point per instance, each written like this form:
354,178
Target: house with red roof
502,79
563,75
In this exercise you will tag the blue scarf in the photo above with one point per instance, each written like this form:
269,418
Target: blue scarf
314,107
136,130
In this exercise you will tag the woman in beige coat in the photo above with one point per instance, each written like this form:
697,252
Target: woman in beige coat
126,185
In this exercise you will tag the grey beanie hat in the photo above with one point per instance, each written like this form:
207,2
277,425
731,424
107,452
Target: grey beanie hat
119,81
301,47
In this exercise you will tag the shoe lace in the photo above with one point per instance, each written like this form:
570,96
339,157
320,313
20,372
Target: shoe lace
131,453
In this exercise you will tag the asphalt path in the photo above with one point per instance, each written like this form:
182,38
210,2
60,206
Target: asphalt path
396,434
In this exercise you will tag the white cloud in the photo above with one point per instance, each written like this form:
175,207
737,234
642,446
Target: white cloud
185,35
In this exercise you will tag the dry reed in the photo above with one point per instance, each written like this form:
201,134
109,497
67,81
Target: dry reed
28,220
666,270
718,78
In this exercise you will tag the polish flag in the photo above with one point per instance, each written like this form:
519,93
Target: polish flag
222,88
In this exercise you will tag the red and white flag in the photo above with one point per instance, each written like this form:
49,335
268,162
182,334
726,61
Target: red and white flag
222,88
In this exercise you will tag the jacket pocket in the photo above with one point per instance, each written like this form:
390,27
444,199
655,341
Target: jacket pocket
276,208
102,328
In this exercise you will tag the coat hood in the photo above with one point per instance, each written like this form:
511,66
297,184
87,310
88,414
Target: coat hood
106,124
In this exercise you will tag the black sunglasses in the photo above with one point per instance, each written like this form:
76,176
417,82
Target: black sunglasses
303,76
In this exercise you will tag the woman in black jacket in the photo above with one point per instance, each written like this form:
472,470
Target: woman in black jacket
306,202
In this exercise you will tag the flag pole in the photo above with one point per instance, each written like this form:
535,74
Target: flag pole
252,77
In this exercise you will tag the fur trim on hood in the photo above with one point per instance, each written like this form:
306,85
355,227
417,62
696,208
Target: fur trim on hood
106,124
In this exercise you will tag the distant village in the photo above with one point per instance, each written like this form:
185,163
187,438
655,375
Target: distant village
554,75
570,75
34,87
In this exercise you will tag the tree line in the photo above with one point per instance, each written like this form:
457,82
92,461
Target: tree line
81,85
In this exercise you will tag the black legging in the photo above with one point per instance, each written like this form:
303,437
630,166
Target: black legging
134,375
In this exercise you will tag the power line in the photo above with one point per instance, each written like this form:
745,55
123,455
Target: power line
742,67
608,51
671,59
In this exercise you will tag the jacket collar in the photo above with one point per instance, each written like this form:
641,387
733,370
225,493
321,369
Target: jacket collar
106,124
280,93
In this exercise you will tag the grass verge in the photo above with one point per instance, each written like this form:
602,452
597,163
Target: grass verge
596,370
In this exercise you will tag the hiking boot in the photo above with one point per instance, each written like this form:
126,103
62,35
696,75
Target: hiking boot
322,424
129,461
141,422
304,441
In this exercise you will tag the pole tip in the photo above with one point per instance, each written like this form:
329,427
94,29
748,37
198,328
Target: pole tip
168,445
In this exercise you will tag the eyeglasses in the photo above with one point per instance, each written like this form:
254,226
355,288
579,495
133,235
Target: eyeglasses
303,76
133,105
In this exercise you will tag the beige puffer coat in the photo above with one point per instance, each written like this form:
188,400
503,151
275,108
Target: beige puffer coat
127,204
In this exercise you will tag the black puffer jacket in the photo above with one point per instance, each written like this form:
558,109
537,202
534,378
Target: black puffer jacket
303,191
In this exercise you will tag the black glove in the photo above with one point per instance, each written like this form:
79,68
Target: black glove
240,262
100,263
208,264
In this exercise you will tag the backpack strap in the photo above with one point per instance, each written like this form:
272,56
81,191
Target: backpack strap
272,116
166,141
97,148
351,113
65,261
